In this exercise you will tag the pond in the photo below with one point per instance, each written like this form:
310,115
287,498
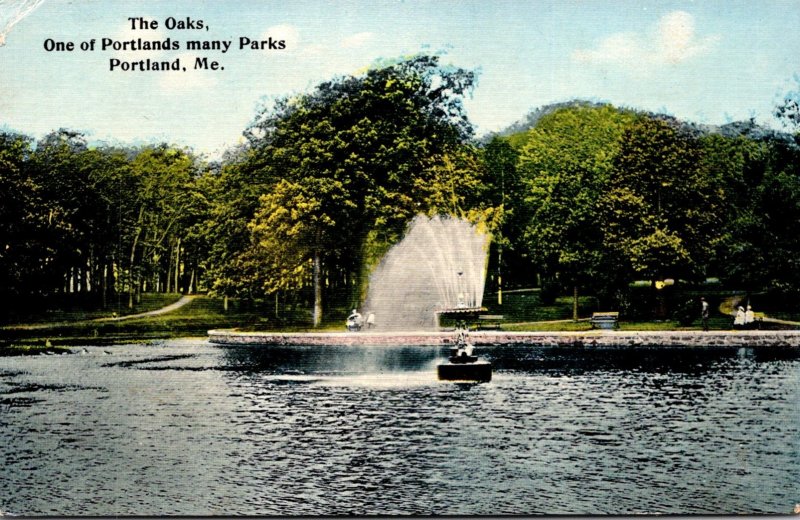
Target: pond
186,427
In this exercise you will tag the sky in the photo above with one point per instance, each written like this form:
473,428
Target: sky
706,61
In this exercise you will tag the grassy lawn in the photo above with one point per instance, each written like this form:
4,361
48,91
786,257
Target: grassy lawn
526,306
79,311
193,319
718,322
522,311
586,326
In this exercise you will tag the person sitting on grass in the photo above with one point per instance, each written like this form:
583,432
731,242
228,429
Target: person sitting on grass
354,321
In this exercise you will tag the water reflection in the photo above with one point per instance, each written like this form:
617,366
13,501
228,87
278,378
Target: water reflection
580,360
333,359
183,427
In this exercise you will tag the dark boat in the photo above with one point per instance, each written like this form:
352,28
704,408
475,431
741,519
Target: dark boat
479,371
463,366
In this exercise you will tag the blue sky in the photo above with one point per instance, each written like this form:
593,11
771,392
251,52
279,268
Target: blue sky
709,61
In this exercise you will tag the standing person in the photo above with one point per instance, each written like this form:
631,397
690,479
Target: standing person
738,321
749,318
704,312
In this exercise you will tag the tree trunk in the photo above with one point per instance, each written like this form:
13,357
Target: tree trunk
104,286
168,282
317,289
131,286
112,286
575,303
177,265
500,272
87,276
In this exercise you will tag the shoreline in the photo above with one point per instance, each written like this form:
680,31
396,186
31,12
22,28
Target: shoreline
595,338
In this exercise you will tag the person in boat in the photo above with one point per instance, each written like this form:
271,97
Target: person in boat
738,320
464,348
354,320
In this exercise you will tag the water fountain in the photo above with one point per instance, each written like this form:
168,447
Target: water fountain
440,264
436,272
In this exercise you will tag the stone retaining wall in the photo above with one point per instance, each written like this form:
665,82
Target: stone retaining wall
752,338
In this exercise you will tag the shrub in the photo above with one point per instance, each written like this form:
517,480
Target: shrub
686,312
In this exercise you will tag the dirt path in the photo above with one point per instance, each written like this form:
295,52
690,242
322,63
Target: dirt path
728,305
163,310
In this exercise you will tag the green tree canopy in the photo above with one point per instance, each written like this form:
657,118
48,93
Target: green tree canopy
358,154
567,161
661,214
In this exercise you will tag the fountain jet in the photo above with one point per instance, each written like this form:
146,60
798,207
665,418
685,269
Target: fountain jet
440,264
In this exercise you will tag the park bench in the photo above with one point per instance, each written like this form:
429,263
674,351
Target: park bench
605,320
489,321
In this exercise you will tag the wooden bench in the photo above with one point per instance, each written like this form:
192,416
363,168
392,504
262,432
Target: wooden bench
489,321
605,320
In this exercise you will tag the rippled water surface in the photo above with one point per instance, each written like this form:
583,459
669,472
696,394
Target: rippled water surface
185,427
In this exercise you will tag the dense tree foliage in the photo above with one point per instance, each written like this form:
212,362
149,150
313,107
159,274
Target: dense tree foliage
23,245
568,159
589,198
356,158
613,196
661,215
96,223
759,246
504,191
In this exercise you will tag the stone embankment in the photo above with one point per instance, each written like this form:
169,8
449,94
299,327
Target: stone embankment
751,338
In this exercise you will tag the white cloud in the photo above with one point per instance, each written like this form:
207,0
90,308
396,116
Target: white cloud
673,40
357,40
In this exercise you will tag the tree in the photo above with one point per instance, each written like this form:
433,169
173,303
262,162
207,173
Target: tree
109,176
661,215
505,190
739,165
363,154
292,225
567,161
60,170
761,185
21,220
160,193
